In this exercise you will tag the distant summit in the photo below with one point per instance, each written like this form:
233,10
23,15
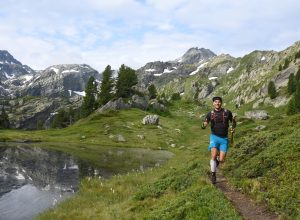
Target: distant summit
62,79
10,68
6,57
161,73
195,55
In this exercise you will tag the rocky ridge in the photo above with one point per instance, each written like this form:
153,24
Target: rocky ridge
199,74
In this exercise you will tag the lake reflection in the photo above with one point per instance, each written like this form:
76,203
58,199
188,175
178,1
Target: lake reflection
34,179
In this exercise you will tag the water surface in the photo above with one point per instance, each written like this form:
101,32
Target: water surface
33,179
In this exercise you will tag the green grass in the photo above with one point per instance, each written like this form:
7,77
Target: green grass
180,189
265,164
262,163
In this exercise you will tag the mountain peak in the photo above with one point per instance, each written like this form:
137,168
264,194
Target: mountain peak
6,57
195,55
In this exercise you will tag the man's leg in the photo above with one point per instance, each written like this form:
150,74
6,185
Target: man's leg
222,156
213,164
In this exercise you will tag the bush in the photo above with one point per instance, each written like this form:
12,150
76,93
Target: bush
175,96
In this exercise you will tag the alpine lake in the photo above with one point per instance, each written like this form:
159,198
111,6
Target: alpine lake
34,177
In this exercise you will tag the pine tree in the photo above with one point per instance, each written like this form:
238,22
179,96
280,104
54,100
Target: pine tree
152,91
106,86
280,67
89,100
272,90
175,96
63,118
4,121
291,108
286,63
126,79
297,78
297,97
297,55
292,83
59,119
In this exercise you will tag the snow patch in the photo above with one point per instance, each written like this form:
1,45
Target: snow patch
8,76
198,68
28,77
157,74
80,93
70,71
70,92
74,167
150,70
263,58
20,176
212,78
167,71
55,70
230,69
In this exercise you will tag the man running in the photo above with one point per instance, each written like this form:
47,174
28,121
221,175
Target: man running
219,119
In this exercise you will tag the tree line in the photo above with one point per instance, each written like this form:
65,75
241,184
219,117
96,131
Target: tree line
110,89
294,90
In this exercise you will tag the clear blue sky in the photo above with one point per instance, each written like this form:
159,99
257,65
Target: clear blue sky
100,32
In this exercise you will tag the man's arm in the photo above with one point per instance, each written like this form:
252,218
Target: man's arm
206,121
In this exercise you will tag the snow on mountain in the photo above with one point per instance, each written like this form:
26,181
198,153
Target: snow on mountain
198,68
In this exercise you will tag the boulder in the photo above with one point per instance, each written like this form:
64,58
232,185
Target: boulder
257,114
120,138
207,90
157,106
139,102
151,120
114,105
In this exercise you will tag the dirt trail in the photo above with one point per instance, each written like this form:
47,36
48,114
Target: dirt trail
243,204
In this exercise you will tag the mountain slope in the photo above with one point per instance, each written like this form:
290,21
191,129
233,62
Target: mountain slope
13,74
159,73
240,80
60,80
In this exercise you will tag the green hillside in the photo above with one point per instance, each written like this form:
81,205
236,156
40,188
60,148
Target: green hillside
262,164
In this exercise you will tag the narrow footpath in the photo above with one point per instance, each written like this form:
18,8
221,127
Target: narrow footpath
247,208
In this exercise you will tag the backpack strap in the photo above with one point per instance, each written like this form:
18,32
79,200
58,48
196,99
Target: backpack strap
213,117
223,115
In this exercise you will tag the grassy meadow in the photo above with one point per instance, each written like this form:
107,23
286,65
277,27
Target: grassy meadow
262,163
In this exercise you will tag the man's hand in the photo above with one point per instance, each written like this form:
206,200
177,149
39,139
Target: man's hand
204,124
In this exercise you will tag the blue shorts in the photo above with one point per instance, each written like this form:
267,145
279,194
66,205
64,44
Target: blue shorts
221,143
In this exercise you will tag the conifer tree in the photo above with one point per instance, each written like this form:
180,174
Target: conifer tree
291,108
4,121
297,78
297,55
126,79
89,100
297,97
152,91
280,67
292,83
106,86
272,90
286,63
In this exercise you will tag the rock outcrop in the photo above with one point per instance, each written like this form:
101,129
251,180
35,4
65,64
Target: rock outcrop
151,120
257,114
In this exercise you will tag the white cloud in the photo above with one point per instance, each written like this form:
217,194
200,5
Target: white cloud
135,32
166,5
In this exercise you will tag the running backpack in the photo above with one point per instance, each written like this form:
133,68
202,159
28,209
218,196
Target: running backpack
213,117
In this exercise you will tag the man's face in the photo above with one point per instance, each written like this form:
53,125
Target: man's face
217,104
